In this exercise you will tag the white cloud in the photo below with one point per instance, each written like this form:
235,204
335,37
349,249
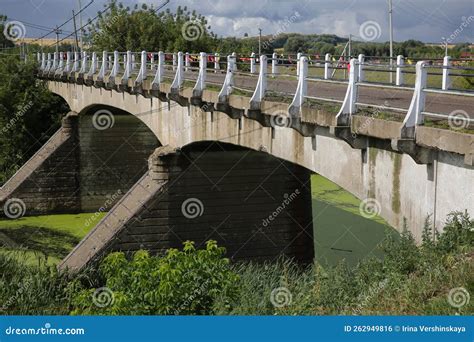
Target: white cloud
426,20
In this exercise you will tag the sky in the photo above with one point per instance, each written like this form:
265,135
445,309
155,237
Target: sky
425,20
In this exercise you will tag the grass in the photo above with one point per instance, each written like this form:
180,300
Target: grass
383,115
50,237
443,124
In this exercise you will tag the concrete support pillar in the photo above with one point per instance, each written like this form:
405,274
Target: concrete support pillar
261,88
179,76
48,183
234,55
132,64
116,66
55,62
229,80
298,57
128,68
301,90
446,71
327,67
43,61
104,66
361,60
75,66
142,74
217,66
185,196
84,63
253,67
182,214
201,80
159,71
60,63
49,64
400,79
274,64
67,67
175,61
152,62
92,69
414,116
349,106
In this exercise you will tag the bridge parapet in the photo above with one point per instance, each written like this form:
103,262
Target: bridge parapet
322,100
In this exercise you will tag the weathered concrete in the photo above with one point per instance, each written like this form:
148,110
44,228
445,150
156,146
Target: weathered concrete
404,189
49,181
255,205
112,160
82,167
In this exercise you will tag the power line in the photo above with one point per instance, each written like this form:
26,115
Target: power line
60,26
82,27
160,7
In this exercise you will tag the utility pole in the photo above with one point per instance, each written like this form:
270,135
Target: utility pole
80,19
57,31
390,14
75,30
259,42
350,46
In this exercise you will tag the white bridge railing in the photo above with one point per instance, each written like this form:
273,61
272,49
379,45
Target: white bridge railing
120,68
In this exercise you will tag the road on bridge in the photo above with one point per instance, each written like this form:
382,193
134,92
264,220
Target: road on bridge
399,98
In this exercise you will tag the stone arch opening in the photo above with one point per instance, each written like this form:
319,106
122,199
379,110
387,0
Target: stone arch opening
114,147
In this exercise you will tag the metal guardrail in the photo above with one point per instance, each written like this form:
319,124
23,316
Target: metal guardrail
138,66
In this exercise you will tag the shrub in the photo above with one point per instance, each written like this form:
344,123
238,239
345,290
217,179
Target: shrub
180,282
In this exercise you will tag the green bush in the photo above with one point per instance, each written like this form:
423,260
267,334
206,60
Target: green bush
410,279
179,283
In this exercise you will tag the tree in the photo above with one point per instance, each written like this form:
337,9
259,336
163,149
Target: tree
4,42
29,114
121,28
